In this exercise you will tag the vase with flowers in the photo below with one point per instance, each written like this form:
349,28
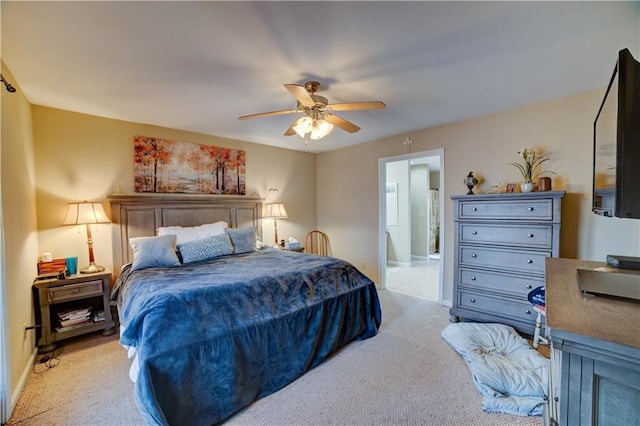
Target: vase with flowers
529,168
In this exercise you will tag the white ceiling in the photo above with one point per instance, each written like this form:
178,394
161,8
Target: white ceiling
197,66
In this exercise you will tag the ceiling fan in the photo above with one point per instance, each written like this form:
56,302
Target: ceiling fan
318,114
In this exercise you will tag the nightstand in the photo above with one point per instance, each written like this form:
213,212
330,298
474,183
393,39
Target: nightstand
73,306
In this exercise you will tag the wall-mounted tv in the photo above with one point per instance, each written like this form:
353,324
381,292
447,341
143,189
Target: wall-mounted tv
616,143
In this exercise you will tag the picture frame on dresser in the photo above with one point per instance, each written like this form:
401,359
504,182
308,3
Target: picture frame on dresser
501,243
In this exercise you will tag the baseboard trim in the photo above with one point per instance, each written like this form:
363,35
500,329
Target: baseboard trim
396,263
22,381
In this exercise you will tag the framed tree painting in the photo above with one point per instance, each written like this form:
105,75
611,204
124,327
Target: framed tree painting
168,166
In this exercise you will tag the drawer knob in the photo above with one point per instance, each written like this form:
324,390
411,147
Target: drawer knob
474,233
530,209
530,235
529,286
528,312
473,278
474,255
529,261
473,300
475,209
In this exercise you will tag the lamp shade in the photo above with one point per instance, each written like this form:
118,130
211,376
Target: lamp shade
274,210
85,213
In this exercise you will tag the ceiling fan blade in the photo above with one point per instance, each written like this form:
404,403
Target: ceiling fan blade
342,123
290,131
354,106
268,114
301,94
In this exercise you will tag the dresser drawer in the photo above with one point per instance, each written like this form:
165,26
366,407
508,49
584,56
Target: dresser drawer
519,310
498,282
507,210
511,260
75,291
535,236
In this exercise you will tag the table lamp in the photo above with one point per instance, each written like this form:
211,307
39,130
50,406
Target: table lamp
275,211
86,213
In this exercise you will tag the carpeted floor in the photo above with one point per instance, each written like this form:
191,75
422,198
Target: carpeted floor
421,279
406,375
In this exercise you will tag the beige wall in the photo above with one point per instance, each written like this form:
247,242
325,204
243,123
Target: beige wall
18,227
347,184
83,157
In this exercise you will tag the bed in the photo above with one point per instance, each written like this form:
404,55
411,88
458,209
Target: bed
212,334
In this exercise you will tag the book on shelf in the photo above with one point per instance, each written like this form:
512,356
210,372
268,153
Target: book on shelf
73,327
74,313
70,319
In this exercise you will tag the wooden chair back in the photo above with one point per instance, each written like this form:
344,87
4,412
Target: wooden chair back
317,242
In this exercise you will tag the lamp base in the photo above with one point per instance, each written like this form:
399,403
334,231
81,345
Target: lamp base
92,269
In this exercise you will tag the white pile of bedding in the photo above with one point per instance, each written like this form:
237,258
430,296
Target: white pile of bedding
512,377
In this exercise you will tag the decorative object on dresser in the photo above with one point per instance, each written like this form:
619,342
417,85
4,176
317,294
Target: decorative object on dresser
72,306
470,181
501,241
86,213
544,184
532,160
275,211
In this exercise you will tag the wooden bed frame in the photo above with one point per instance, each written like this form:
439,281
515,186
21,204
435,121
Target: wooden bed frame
141,216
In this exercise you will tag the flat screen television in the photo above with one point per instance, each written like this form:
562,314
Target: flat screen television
616,143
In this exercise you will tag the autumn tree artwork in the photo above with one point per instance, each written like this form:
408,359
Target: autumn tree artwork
167,166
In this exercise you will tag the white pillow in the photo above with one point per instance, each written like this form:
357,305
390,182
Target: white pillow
184,234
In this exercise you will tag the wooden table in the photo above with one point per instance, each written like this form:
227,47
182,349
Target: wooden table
595,365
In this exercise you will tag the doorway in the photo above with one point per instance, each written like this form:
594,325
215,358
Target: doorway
411,189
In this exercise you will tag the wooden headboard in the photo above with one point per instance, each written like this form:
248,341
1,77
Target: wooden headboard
141,216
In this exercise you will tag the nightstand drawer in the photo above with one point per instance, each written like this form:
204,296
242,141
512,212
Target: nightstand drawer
509,260
518,235
496,282
519,310
75,291
507,210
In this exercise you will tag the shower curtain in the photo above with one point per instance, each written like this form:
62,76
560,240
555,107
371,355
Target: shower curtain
434,221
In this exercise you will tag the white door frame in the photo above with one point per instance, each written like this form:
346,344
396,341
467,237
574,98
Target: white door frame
5,380
382,214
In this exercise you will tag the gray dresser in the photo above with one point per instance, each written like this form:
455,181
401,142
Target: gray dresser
501,242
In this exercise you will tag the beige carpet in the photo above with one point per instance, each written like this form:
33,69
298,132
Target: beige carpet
421,279
406,375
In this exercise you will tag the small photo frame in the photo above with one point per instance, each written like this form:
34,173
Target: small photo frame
511,188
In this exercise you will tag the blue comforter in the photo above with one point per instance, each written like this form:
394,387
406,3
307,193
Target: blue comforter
213,336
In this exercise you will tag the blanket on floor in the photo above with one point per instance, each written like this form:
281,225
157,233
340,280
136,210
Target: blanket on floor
512,377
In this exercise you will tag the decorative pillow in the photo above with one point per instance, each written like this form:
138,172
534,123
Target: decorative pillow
243,239
154,252
205,248
185,234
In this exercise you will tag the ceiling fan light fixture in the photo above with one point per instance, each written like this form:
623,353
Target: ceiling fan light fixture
303,126
320,129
